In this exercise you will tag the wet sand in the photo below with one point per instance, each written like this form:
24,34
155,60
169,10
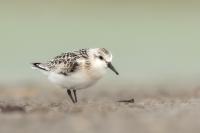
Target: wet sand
159,109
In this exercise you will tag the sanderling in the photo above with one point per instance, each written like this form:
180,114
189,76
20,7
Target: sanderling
77,70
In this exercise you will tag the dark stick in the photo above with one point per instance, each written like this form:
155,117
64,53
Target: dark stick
70,95
127,101
75,96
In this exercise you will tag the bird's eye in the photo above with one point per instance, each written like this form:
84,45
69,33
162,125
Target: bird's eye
100,57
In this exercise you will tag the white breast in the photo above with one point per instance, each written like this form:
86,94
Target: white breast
79,80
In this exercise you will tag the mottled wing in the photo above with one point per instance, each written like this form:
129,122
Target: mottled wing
82,53
67,63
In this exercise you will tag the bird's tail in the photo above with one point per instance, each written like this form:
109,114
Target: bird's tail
40,66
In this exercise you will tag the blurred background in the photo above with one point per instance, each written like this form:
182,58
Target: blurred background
155,44
151,41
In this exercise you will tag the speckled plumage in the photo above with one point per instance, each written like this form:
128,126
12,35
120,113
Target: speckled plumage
77,70
65,63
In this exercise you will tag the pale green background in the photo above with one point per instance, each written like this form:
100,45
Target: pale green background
150,40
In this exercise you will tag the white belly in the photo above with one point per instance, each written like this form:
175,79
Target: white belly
74,81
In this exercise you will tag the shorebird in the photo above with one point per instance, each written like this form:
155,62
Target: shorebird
77,70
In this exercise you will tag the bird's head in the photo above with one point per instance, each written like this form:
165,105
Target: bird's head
102,58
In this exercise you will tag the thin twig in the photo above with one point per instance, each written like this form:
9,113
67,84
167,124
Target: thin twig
127,101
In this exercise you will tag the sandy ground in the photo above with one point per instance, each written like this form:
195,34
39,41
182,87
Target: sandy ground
158,109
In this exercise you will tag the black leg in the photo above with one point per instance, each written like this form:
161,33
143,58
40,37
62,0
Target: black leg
70,95
75,96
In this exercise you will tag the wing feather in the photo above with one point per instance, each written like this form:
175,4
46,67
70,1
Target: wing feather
67,63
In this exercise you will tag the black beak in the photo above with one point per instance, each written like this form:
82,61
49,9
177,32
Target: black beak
112,68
